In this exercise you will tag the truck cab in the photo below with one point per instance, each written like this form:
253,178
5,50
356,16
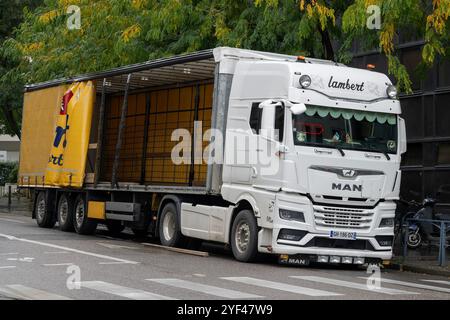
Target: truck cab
322,144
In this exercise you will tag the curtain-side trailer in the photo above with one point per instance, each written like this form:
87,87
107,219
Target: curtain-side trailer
174,147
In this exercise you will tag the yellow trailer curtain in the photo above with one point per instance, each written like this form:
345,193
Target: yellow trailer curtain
67,160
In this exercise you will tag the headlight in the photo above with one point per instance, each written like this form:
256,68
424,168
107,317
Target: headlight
292,215
305,81
387,223
392,92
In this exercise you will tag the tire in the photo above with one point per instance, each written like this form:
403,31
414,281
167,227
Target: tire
115,227
169,227
244,237
44,217
65,213
81,222
414,240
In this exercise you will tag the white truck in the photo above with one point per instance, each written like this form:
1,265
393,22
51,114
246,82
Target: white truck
303,161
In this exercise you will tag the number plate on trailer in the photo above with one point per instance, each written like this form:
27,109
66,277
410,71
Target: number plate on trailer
342,235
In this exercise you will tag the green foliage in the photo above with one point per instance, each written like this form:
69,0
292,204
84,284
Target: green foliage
8,172
120,32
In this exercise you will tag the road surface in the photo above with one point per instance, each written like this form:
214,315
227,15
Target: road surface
47,264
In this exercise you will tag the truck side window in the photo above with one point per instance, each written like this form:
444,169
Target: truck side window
255,118
279,123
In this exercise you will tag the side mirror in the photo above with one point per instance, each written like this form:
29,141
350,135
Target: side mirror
402,139
298,108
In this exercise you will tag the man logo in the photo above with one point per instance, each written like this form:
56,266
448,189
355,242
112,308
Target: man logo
348,173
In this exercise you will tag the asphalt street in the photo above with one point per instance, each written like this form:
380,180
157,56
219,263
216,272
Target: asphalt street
47,264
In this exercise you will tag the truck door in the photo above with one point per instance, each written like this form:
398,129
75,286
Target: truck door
267,171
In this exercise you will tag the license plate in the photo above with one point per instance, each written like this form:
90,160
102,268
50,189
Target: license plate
343,235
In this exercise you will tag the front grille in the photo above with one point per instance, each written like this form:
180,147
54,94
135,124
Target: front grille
336,217
340,244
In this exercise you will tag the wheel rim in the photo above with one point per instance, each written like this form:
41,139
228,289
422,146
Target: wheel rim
63,211
79,213
41,210
242,237
169,225
414,239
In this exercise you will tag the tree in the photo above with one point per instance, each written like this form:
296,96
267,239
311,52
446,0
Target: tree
120,32
11,14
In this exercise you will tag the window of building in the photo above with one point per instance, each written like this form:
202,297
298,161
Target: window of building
443,153
414,155
442,102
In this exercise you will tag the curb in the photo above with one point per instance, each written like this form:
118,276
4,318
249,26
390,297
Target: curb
416,269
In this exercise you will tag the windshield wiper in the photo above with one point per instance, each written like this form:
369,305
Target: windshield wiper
341,151
383,152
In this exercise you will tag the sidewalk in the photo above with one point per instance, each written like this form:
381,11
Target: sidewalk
426,266
19,206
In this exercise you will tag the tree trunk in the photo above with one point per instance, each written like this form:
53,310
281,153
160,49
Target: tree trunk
11,121
326,43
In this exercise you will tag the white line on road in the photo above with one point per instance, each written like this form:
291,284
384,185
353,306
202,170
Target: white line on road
12,220
7,267
113,263
352,285
57,264
9,254
282,286
55,252
212,290
101,256
26,293
414,285
125,292
438,281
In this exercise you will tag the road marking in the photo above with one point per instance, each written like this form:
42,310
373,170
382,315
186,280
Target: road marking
54,246
282,286
112,263
438,281
55,252
414,285
9,254
12,220
115,246
200,275
125,292
26,293
212,290
352,285
7,267
24,259
57,264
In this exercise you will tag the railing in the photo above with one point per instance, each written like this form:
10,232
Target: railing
442,225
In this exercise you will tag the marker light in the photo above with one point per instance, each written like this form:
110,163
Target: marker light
371,66
392,92
305,81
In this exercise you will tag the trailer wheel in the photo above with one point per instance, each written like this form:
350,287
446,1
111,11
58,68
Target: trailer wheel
169,227
115,226
65,213
81,222
44,217
244,237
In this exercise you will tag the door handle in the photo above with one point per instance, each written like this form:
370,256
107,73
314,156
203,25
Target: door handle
322,151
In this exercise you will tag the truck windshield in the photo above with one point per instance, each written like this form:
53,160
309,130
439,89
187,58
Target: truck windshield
346,129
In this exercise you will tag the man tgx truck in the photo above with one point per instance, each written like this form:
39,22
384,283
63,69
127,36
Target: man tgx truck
264,152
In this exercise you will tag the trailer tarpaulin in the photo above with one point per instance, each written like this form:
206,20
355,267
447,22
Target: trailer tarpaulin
67,159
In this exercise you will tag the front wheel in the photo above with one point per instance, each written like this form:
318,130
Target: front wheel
414,239
81,222
169,227
244,237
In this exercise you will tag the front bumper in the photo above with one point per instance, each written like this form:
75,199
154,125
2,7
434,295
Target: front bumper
315,230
